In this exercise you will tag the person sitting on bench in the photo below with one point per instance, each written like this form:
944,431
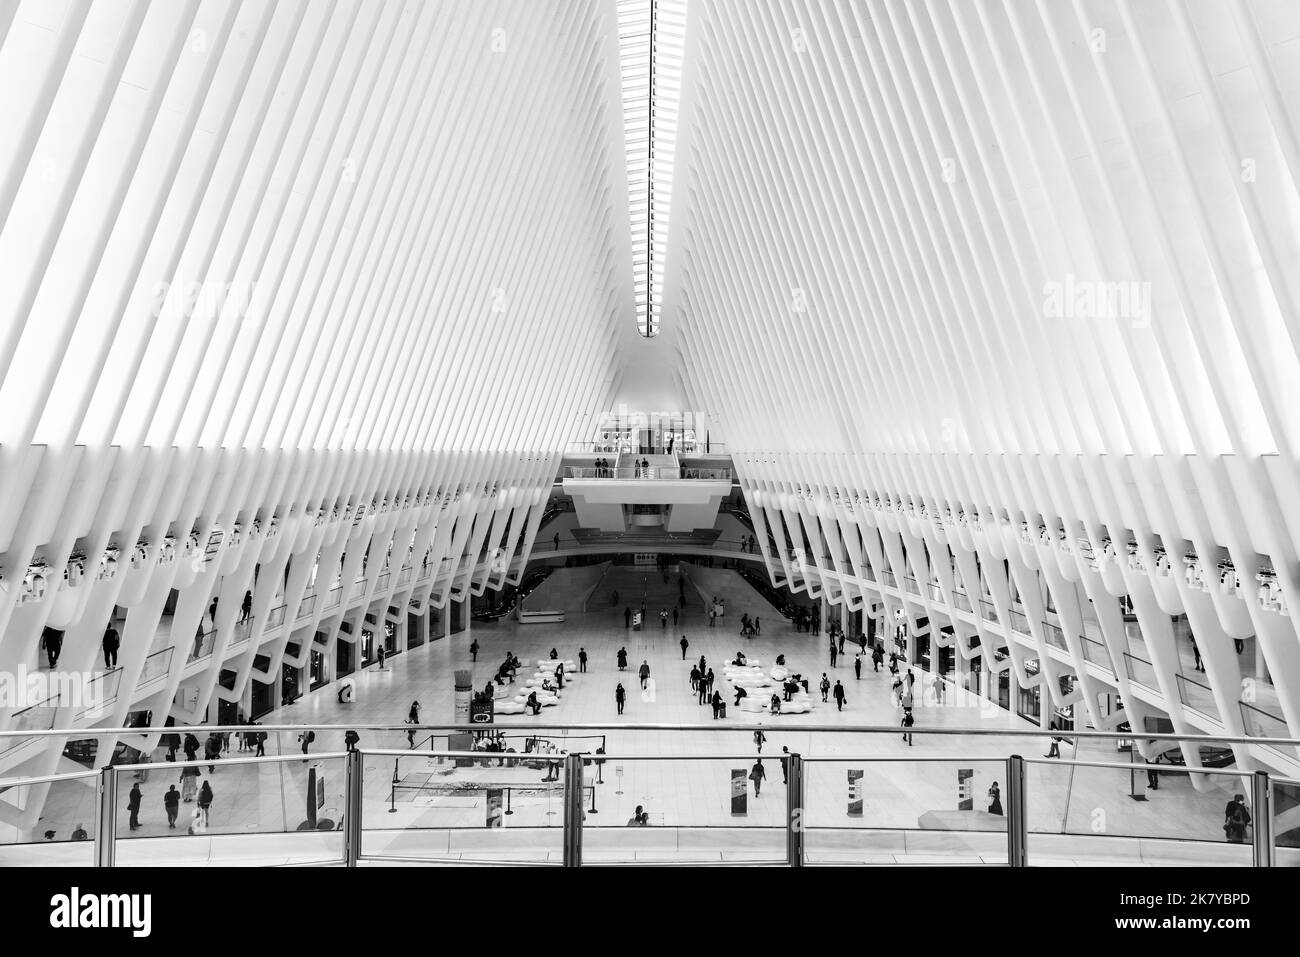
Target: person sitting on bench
533,703
740,659
776,704
554,654
740,693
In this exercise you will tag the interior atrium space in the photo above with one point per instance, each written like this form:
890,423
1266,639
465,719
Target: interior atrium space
641,433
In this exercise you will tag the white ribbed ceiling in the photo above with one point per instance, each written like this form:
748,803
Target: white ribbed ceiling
307,224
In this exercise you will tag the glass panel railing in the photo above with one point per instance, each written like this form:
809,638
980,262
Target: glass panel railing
235,810
910,585
1096,652
1141,671
742,819
404,575
961,601
38,717
1086,810
1019,622
381,583
157,665
53,820
98,693
887,578
1261,723
1197,696
987,611
306,606
242,631
334,597
201,646
1054,635
1286,815
904,811
275,617
447,805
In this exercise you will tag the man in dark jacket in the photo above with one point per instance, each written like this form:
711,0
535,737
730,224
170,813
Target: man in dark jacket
838,695
111,644
133,805
172,805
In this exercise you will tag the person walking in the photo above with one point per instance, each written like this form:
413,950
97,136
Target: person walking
620,697
702,664
908,721
825,686
133,805
189,783
473,650
351,739
582,660
246,607
644,673
1053,742
212,751
785,765
838,694
905,698
703,691
111,644
675,617
685,644
995,798
910,679
556,539
877,656
759,738
834,654
52,639
857,667
191,746
708,681
382,655
717,705
627,618
663,619
261,744
305,739
205,802
172,805
695,678
758,776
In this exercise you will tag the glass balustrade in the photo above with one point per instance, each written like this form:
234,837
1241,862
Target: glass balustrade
554,795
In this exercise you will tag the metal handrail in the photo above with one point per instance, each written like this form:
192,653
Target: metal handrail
889,729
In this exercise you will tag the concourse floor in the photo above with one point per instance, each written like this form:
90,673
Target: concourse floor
413,791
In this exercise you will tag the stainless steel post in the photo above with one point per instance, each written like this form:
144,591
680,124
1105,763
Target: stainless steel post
352,808
573,810
1017,813
1262,818
794,804
106,817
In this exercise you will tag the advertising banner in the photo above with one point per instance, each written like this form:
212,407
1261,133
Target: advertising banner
965,789
855,792
739,791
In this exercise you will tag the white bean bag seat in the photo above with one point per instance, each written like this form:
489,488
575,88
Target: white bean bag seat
796,706
756,705
510,707
779,673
